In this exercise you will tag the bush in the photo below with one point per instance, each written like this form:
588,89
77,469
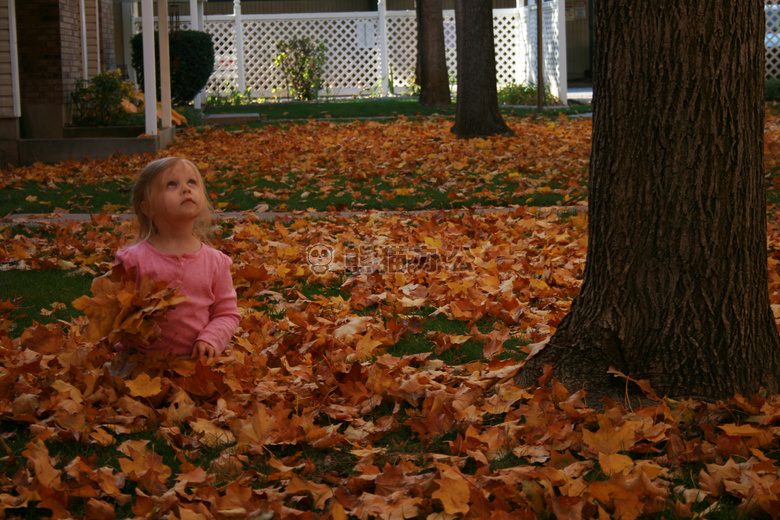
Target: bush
98,101
302,60
773,90
192,63
524,94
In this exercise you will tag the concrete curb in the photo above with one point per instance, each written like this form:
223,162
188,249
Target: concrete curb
36,219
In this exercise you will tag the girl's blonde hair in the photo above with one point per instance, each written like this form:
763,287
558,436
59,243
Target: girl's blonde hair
142,191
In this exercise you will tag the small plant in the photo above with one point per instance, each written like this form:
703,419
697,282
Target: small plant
524,94
302,60
100,101
229,98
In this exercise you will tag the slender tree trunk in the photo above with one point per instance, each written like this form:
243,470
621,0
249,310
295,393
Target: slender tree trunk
675,289
431,57
476,110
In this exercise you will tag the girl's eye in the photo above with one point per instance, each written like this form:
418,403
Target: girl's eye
193,182
171,184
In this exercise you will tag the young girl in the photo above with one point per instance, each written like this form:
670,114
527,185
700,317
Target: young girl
170,201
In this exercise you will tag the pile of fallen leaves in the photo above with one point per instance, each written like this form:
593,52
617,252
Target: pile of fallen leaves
310,416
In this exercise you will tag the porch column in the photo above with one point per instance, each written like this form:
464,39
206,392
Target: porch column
165,65
150,76
84,63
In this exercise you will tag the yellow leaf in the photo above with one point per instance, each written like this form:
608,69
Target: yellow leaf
144,386
365,346
614,463
743,430
453,492
211,434
608,439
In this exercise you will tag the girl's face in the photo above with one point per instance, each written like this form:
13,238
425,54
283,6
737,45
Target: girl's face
177,195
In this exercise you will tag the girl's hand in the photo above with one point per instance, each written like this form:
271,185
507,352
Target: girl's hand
201,348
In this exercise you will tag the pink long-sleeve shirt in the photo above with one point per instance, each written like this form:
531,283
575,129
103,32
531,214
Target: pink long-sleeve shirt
210,312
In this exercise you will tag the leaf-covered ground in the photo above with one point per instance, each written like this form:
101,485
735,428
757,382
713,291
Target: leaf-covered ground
414,164
338,398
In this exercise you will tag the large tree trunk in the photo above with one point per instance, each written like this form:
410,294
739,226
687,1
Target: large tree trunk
476,110
431,57
675,288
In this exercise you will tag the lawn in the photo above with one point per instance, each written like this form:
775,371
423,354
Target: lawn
375,384
365,108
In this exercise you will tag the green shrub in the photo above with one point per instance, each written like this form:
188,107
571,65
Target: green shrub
98,101
302,60
192,63
773,90
524,94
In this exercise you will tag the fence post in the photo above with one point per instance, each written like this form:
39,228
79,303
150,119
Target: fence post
520,67
239,27
383,53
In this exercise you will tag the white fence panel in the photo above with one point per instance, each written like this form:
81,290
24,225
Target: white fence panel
772,39
354,59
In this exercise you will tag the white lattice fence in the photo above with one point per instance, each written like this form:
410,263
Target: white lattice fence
223,35
352,63
354,49
401,31
772,39
510,57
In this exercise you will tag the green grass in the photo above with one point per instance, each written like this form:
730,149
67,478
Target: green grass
376,193
360,108
86,198
33,291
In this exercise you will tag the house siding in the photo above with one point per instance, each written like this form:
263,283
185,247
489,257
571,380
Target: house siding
321,6
289,6
71,38
6,82
39,51
91,22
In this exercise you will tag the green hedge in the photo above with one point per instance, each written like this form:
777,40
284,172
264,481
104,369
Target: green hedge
773,90
192,63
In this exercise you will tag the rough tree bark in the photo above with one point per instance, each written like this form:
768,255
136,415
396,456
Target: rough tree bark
675,288
476,108
431,57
